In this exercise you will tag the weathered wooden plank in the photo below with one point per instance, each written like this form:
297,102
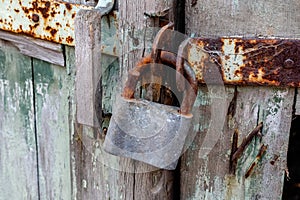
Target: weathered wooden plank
206,162
273,107
18,156
112,182
101,175
91,178
36,48
210,177
52,87
88,67
152,184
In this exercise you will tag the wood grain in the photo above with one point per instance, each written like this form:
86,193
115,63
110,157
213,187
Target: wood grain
88,65
209,176
18,151
132,25
36,48
52,87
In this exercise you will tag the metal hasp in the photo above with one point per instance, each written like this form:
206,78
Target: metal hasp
247,61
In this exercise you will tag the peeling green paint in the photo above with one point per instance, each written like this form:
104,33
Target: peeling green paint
2,63
110,81
18,167
52,98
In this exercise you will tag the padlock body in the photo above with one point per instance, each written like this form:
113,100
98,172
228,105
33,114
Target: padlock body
147,131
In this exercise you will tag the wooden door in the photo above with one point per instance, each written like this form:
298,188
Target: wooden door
46,154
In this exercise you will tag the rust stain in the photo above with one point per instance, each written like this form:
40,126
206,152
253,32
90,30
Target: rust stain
268,61
245,61
69,39
115,50
250,170
68,6
274,160
53,32
261,152
40,19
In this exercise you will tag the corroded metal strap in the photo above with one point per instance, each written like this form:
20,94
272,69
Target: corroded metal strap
49,20
53,20
247,61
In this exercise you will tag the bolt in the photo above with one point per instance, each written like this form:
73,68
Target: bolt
288,63
35,18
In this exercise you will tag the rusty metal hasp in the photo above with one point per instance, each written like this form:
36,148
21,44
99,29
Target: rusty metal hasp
147,131
247,61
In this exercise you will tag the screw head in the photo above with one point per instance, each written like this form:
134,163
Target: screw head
35,17
288,63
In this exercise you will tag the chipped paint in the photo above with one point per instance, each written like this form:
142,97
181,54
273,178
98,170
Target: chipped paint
52,126
18,144
48,20
54,21
244,61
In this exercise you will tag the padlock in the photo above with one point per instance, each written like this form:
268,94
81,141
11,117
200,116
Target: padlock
148,131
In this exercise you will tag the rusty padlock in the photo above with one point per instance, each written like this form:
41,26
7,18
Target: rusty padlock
147,131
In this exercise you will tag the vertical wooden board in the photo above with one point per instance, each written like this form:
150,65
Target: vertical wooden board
246,18
74,167
94,176
133,44
88,67
202,177
132,25
52,91
90,173
272,106
18,161
210,177
91,178
266,182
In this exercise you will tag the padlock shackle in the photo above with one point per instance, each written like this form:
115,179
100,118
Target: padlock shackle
156,52
166,58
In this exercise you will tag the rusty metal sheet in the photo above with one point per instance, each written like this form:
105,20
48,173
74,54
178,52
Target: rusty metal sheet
54,21
48,20
248,61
